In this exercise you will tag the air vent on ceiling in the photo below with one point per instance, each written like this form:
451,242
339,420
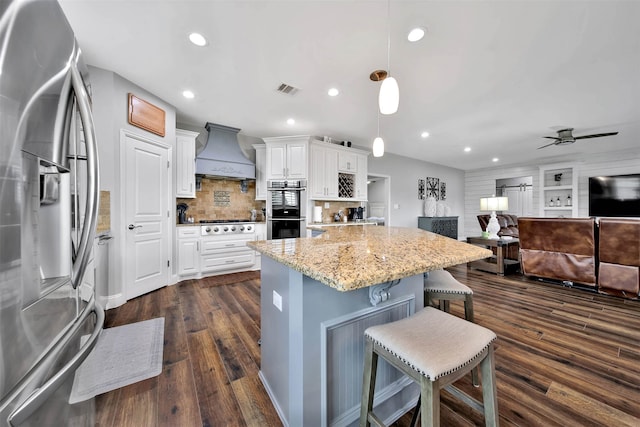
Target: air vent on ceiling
287,89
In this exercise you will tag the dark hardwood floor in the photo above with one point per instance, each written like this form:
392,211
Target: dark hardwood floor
564,356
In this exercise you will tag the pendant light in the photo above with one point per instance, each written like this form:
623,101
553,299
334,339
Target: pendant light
389,96
378,143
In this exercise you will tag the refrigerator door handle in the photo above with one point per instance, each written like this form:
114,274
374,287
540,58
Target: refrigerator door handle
41,394
91,210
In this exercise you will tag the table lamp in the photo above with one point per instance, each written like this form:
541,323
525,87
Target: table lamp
493,204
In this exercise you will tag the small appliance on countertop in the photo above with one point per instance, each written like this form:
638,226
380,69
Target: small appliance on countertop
182,213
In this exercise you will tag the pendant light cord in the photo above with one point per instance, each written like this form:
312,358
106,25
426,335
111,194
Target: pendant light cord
388,37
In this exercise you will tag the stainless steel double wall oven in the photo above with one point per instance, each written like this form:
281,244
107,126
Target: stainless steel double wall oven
286,209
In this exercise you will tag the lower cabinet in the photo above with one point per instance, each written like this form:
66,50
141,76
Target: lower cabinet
443,225
228,254
188,250
200,256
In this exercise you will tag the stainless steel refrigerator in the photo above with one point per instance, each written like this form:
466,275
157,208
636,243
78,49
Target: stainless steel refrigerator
48,209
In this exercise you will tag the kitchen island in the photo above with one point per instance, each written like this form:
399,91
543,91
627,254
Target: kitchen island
317,297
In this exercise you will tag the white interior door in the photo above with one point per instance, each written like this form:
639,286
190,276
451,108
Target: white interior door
145,189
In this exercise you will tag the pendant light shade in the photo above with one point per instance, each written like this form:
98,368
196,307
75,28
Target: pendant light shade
378,147
389,96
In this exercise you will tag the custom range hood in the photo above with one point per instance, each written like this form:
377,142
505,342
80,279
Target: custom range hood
222,157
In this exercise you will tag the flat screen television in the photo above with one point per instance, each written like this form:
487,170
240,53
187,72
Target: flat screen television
614,195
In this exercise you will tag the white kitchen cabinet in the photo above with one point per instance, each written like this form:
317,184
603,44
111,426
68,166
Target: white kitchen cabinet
361,178
559,190
186,163
188,250
347,161
261,234
286,157
323,182
230,254
261,175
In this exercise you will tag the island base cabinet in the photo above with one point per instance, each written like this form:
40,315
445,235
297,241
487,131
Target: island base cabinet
312,342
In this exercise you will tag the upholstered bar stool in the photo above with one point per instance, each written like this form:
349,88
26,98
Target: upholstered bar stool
442,286
435,349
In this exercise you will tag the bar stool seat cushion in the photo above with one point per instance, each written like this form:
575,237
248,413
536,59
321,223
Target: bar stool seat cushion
442,281
432,342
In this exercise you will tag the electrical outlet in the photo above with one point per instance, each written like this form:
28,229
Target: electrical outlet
396,206
277,300
327,205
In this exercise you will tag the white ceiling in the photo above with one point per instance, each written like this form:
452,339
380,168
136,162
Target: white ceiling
495,76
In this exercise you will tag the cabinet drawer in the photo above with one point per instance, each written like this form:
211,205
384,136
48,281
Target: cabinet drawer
188,231
222,246
217,263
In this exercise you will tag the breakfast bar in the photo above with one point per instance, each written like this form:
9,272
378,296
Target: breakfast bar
319,294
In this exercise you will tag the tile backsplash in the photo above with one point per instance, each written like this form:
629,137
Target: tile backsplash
334,208
223,199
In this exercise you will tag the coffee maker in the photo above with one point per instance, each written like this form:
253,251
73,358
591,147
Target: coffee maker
182,216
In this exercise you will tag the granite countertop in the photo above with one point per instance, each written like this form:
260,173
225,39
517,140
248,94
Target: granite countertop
349,258
316,225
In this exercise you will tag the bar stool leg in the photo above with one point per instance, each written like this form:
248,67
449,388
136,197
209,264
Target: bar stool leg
430,405
368,382
489,394
468,315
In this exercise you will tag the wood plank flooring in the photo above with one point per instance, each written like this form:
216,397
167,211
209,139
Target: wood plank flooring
564,356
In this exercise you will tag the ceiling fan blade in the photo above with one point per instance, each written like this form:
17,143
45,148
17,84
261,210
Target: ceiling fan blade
553,143
552,137
596,135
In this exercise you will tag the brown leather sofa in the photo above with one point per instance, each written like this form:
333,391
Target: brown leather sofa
508,224
619,253
508,227
559,248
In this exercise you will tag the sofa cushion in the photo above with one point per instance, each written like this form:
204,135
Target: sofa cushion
620,280
559,248
619,241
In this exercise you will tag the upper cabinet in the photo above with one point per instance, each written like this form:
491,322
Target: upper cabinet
337,173
347,162
361,178
323,182
286,157
559,190
185,163
261,172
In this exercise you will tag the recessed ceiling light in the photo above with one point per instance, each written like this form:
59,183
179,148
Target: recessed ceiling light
467,149
333,92
495,159
425,134
188,94
416,34
291,122
197,39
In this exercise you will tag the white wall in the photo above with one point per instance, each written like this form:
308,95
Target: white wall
110,110
481,182
404,173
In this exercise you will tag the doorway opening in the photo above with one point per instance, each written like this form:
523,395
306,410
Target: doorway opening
519,190
379,198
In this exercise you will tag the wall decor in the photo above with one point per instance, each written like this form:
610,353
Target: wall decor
221,198
443,190
421,195
433,187
145,115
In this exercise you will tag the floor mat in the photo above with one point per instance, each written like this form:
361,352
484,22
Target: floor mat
123,355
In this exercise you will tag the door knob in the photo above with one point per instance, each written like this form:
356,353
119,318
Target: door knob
131,226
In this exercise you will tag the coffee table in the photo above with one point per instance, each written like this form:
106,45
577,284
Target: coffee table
498,263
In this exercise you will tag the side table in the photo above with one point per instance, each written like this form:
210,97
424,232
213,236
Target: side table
498,263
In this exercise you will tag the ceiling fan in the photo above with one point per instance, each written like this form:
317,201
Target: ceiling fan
566,137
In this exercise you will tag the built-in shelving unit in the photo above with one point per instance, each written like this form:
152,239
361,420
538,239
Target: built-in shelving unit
559,190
